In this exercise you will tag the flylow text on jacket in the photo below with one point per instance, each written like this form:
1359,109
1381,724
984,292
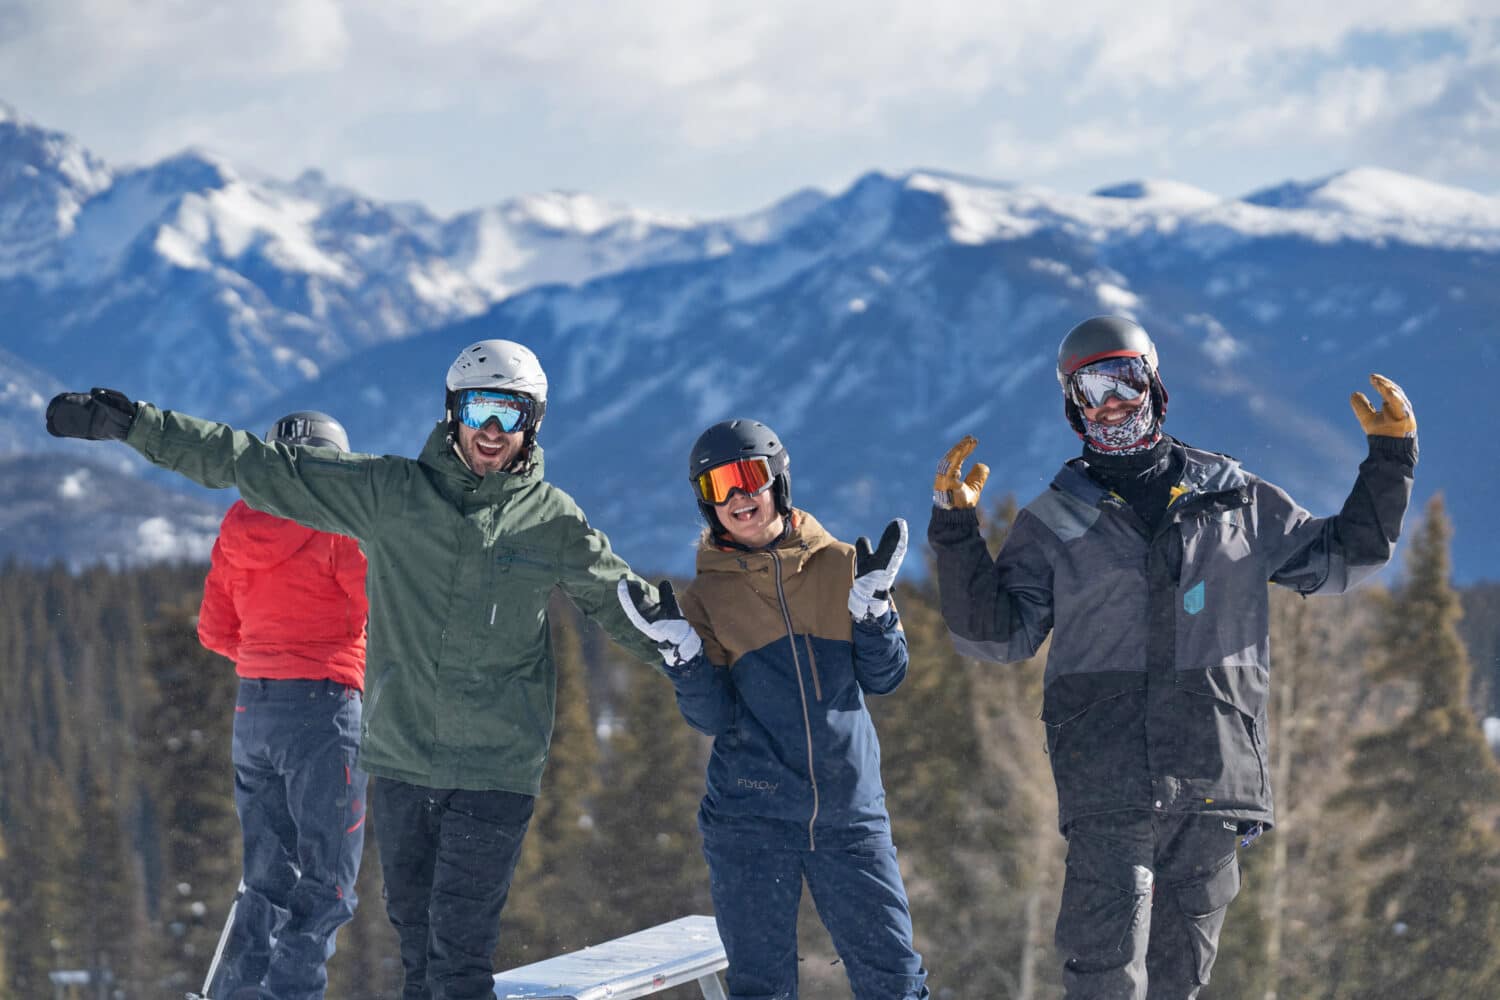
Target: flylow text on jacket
780,685
459,679
1156,681
284,601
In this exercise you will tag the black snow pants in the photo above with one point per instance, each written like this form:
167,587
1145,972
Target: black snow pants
1143,903
448,856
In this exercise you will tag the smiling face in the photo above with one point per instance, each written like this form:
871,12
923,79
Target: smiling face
489,449
753,521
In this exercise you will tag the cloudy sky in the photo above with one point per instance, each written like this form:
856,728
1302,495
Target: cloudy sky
706,107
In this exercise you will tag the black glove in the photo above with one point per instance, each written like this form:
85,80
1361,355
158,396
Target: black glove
875,572
97,415
660,621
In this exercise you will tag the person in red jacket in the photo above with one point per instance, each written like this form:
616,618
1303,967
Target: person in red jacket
287,604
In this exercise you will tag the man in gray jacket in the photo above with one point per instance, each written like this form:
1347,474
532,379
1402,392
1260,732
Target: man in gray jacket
1148,560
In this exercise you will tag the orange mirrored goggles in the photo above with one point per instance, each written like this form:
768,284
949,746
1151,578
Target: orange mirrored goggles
750,475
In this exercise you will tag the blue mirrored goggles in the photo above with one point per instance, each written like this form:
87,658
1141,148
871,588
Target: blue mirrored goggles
1126,379
477,407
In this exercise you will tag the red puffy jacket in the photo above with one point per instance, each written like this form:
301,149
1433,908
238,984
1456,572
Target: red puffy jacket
284,601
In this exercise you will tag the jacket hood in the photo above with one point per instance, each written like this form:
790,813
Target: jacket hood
806,537
250,539
441,456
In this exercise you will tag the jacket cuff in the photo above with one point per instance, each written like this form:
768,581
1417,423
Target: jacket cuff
145,429
952,525
1393,448
686,673
880,624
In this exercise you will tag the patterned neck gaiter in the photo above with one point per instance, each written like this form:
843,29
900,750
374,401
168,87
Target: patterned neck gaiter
1137,434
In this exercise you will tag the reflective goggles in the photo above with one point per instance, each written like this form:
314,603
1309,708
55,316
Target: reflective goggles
752,475
477,407
1126,379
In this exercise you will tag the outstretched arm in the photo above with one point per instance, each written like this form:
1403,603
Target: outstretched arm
318,487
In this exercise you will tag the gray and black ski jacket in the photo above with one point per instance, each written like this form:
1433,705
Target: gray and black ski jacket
1156,680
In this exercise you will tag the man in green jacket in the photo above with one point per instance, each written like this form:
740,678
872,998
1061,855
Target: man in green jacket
465,544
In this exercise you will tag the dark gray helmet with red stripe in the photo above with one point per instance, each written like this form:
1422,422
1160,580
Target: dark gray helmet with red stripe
1107,337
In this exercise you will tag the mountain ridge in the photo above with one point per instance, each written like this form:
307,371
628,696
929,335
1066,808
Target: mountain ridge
871,327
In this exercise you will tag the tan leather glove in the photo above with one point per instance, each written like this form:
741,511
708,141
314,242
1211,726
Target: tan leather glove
1395,419
949,491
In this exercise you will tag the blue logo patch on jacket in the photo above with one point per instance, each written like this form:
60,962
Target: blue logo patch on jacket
1192,601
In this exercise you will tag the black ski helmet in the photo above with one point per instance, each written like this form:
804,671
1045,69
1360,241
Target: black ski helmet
309,427
730,440
1103,337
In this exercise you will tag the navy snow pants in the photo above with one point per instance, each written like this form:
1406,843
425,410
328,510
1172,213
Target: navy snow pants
1143,903
301,803
448,856
859,896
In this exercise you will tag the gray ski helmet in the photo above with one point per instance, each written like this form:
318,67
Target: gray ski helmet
730,440
1103,337
309,427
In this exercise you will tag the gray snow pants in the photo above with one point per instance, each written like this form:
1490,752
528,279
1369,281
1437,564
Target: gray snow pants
1143,903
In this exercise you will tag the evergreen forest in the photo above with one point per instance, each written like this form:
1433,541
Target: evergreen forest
119,846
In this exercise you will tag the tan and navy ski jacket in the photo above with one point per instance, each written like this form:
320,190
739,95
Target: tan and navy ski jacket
780,685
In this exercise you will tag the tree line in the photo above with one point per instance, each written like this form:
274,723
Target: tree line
119,847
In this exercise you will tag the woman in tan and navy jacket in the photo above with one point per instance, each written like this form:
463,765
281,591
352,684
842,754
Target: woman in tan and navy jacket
775,645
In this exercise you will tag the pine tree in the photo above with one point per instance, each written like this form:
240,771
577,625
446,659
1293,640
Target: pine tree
185,749
650,854
1480,628
1430,787
42,875
4,917
109,904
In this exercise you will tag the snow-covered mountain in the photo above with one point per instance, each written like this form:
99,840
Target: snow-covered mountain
911,309
187,279
871,327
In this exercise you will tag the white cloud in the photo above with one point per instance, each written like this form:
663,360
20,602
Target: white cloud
481,84
102,43
1454,124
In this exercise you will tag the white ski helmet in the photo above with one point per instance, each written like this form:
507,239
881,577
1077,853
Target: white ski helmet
502,365
498,364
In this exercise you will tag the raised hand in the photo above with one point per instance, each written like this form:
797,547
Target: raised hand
1394,419
875,572
661,621
951,492
96,415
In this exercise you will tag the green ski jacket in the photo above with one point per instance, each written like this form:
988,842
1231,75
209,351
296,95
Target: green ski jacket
459,679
